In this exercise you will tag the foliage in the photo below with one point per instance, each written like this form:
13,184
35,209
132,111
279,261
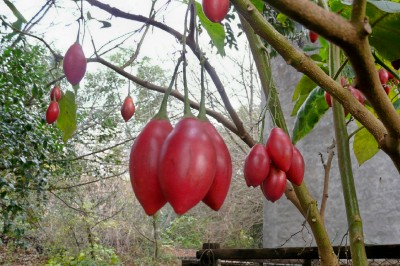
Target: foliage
184,232
28,145
96,256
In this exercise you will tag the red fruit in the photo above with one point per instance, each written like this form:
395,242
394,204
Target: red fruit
52,112
357,94
274,185
223,173
383,75
256,165
55,93
143,165
215,10
279,148
328,99
313,36
295,174
127,108
74,64
396,64
187,165
386,88
390,75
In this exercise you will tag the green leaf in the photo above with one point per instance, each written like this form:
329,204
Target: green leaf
216,31
300,94
384,18
282,18
15,11
106,24
259,4
66,121
313,108
365,146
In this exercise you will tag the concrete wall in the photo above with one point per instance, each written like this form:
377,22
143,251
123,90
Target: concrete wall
377,183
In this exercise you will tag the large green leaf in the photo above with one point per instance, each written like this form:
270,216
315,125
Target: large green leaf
384,17
216,31
66,121
365,146
313,108
300,94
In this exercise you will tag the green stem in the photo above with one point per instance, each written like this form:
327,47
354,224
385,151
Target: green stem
186,111
308,204
354,221
162,113
380,62
202,109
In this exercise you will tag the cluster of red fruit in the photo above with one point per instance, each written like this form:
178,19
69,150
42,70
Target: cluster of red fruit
273,164
182,165
385,77
74,65
355,92
53,110
215,10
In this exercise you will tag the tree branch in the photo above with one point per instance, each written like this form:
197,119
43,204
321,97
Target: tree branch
240,130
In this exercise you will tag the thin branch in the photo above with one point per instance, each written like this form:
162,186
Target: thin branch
87,183
241,131
327,169
95,152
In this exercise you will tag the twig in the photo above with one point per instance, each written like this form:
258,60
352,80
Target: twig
327,169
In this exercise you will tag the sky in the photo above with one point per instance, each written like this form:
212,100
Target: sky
59,28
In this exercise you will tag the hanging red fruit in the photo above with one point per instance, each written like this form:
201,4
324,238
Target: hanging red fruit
74,64
215,10
55,93
295,174
187,165
383,75
274,185
144,163
279,148
127,108
313,36
256,165
52,112
223,173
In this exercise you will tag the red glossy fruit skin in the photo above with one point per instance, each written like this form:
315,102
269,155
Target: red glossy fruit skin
55,93
390,75
215,10
328,99
52,112
256,165
279,148
187,165
74,64
383,75
127,108
357,94
143,165
313,36
396,64
215,197
274,185
295,174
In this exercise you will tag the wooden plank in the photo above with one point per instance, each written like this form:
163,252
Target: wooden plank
373,252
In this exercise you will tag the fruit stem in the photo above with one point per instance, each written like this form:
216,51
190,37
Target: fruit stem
202,111
186,111
162,113
380,62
